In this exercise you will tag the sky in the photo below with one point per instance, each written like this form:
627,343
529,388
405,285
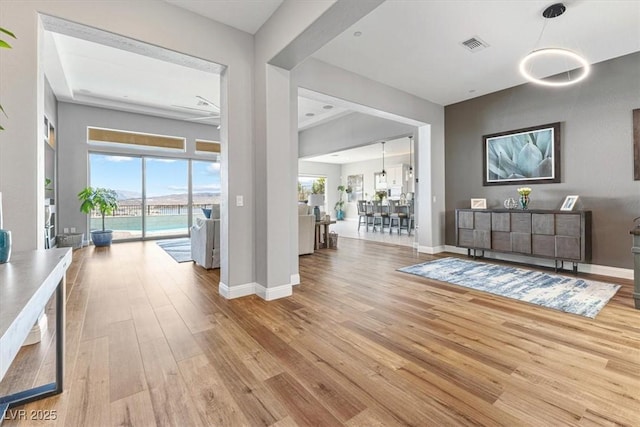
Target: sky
164,176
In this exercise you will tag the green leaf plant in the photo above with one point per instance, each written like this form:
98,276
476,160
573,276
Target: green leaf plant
5,45
102,200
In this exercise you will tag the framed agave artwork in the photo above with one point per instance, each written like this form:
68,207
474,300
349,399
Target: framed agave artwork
636,144
530,155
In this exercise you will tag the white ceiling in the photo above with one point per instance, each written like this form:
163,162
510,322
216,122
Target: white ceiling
313,112
92,73
245,15
415,46
394,147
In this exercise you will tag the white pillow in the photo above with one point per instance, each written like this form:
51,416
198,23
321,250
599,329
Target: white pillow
303,209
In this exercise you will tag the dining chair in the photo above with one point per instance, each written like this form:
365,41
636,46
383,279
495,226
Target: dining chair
394,216
410,218
364,215
380,215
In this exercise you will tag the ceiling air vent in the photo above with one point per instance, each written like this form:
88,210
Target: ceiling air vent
474,44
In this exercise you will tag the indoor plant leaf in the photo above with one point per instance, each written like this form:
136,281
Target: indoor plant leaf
7,32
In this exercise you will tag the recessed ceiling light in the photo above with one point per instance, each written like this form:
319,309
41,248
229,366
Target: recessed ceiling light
328,107
357,34
310,114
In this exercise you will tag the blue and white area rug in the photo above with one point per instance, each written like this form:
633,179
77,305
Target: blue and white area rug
179,249
568,294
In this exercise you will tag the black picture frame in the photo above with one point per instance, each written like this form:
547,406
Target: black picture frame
523,156
636,144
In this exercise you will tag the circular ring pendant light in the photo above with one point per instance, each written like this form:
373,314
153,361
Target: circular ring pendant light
551,12
554,52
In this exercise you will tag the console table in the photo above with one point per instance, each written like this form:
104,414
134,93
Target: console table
27,283
318,241
558,235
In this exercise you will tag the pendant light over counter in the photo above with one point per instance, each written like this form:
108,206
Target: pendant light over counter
384,172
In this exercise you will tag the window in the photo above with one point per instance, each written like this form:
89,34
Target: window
207,147
156,196
310,185
121,138
205,178
124,175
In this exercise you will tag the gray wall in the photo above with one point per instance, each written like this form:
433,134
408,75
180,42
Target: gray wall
73,149
22,88
51,111
353,130
597,141
403,107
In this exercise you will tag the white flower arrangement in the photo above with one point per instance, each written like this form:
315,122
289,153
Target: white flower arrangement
524,191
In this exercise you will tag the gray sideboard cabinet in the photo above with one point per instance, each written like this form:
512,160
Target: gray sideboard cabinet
558,235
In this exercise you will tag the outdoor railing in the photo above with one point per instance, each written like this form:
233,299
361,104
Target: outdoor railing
153,210
162,219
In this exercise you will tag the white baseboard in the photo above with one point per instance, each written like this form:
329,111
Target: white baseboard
431,250
295,279
455,250
604,270
269,294
236,291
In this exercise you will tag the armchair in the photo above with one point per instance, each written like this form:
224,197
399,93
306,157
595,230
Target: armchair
205,242
306,230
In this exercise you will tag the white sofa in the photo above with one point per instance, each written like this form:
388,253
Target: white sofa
205,242
306,230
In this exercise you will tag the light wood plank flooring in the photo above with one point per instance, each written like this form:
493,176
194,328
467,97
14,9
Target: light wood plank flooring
150,342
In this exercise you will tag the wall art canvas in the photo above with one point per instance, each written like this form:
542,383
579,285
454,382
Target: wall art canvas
636,144
530,155
355,188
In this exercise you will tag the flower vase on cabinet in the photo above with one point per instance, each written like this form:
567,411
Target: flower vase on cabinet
524,197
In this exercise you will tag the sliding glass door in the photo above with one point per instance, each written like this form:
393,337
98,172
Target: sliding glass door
205,179
166,201
124,175
157,197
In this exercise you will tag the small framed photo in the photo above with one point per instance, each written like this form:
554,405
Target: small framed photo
569,203
478,203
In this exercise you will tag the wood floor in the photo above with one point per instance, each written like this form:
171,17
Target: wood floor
150,342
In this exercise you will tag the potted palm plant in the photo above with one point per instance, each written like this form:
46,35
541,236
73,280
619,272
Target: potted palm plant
339,206
104,201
